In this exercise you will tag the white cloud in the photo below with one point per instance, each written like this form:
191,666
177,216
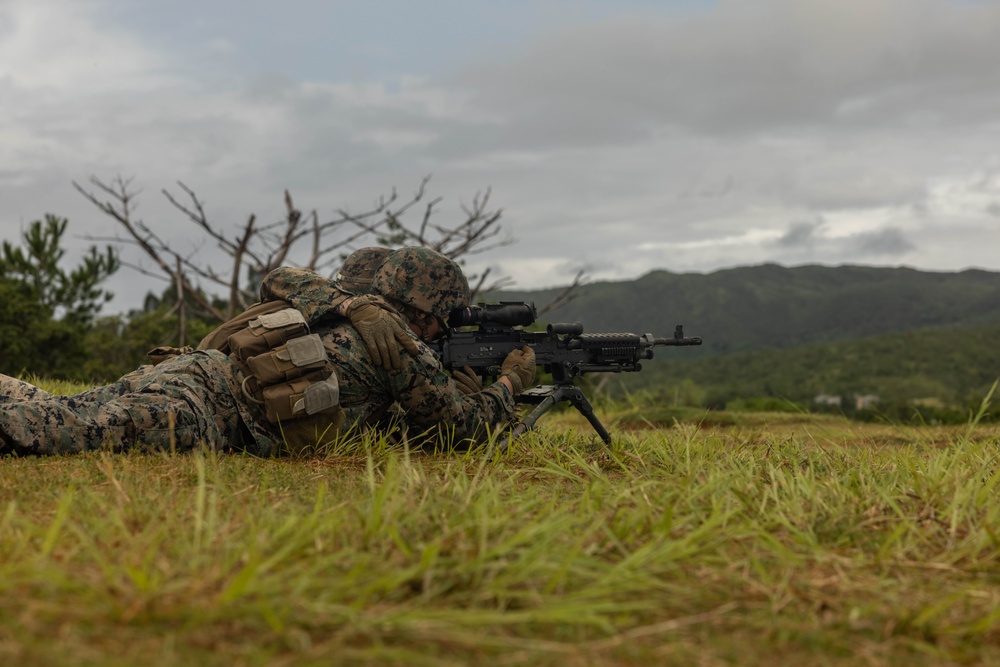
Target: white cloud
49,47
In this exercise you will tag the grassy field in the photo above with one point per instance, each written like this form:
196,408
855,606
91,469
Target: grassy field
773,540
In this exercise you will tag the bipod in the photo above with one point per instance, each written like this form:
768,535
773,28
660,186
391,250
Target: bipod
545,396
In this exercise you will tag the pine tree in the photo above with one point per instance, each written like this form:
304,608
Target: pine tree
45,310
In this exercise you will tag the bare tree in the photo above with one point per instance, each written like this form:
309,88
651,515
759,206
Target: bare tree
256,249
565,295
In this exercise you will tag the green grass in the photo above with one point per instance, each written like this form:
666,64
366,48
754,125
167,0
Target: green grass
769,541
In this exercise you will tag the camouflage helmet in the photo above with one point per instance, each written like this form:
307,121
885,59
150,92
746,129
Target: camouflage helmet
425,279
358,270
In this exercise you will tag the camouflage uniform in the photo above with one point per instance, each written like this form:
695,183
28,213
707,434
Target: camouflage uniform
183,403
13,390
424,391
305,290
315,296
196,399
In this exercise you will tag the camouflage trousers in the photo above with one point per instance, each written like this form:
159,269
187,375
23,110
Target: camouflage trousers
180,404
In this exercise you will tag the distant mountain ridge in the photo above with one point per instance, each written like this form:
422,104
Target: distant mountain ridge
769,306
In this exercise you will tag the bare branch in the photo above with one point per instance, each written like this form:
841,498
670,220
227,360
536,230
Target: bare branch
234,283
565,296
198,216
143,237
480,285
256,249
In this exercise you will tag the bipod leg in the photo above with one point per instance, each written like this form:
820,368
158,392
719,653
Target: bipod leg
529,421
587,410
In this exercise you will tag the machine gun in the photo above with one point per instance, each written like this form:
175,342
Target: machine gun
564,350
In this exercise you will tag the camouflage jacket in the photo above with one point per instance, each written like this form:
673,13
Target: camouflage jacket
427,398
420,398
308,292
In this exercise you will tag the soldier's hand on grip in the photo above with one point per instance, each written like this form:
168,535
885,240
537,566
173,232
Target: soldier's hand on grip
519,367
382,330
467,381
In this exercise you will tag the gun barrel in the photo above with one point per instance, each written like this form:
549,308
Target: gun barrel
693,340
678,339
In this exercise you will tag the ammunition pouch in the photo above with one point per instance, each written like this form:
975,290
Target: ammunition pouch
286,369
295,358
267,331
316,393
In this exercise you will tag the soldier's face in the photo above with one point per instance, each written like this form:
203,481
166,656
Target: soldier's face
433,331
429,330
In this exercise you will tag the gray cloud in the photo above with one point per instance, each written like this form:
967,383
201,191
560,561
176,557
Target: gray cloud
890,242
819,241
749,67
800,234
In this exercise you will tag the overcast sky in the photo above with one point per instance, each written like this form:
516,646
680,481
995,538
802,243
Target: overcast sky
618,136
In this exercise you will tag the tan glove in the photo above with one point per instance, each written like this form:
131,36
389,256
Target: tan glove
382,330
519,367
467,381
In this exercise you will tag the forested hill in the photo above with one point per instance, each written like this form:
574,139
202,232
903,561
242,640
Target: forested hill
775,307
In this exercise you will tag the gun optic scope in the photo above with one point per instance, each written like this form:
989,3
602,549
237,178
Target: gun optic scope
504,314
